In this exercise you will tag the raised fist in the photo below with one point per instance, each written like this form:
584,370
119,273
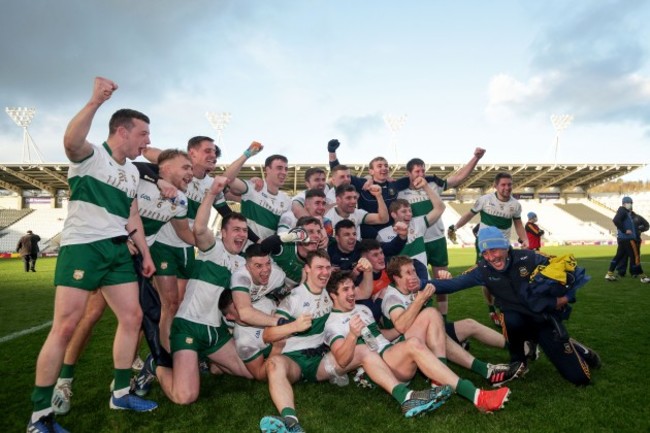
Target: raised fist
103,89
332,145
451,233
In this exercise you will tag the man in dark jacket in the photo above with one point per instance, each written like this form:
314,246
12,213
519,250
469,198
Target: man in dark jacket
627,237
28,248
506,274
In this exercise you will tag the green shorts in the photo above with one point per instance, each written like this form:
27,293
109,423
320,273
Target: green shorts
437,253
203,339
308,364
173,261
97,264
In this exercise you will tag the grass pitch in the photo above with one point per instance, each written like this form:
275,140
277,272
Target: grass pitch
610,317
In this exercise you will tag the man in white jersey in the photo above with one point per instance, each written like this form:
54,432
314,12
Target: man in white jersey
435,241
343,333
408,311
263,208
198,327
173,255
346,208
102,213
314,205
155,210
500,210
315,178
252,309
400,211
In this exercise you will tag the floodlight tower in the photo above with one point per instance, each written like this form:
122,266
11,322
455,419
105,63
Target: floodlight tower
394,123
22,117
560,123
219,121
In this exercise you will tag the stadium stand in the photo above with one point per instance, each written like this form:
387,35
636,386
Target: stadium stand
47,223
12,216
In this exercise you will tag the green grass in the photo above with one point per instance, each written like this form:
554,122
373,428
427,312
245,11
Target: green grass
610,317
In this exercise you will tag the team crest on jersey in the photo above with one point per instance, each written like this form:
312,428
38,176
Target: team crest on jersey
78,274
523,272
164,265
189,340
392,191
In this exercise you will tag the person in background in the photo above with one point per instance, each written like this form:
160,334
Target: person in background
28,249
628,245
533,232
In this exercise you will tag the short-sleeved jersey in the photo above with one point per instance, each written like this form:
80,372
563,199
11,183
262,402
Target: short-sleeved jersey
101,194
357,217
421,205
263,209
394,299
302,300
414,247
243,282
497,213
212,273
338,326
195,192
156,210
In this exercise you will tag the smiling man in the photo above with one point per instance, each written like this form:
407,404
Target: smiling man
506,273
102,214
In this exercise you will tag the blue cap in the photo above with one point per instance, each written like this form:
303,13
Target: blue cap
532,215
627,199
490,238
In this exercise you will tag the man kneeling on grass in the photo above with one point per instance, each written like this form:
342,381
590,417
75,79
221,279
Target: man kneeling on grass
507,275
343,333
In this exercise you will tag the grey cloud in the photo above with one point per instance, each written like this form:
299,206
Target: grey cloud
590,61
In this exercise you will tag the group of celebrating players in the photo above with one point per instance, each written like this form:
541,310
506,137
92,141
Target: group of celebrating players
340,278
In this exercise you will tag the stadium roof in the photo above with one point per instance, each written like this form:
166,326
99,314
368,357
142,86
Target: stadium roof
527,177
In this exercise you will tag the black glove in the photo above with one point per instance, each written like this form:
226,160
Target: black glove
332,145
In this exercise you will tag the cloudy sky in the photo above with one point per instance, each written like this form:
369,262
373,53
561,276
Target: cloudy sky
296,73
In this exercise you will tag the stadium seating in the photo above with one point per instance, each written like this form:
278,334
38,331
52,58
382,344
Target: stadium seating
46,223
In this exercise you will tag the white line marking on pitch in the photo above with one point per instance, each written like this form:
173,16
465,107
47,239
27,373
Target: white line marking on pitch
24,332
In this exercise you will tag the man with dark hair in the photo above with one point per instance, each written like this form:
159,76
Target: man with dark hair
315,178
314,205
28,249
501,210
198,328
103,214
346,208
343,333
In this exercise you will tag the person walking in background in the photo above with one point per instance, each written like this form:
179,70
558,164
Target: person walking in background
533,232
28,249
628,245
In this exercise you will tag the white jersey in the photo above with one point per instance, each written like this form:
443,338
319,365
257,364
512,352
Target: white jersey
421,205
242,281
156,210
215,268
301,300
101,194
357,217
195,192
248,339
414,247
497,213
394,299
338,326
263,209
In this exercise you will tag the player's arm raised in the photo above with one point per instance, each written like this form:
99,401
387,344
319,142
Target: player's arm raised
202,234
75,144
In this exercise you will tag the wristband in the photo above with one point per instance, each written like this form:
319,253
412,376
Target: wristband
283,321
248,153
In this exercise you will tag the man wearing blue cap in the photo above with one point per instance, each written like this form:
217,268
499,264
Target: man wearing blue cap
507,275
533,232
628,245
